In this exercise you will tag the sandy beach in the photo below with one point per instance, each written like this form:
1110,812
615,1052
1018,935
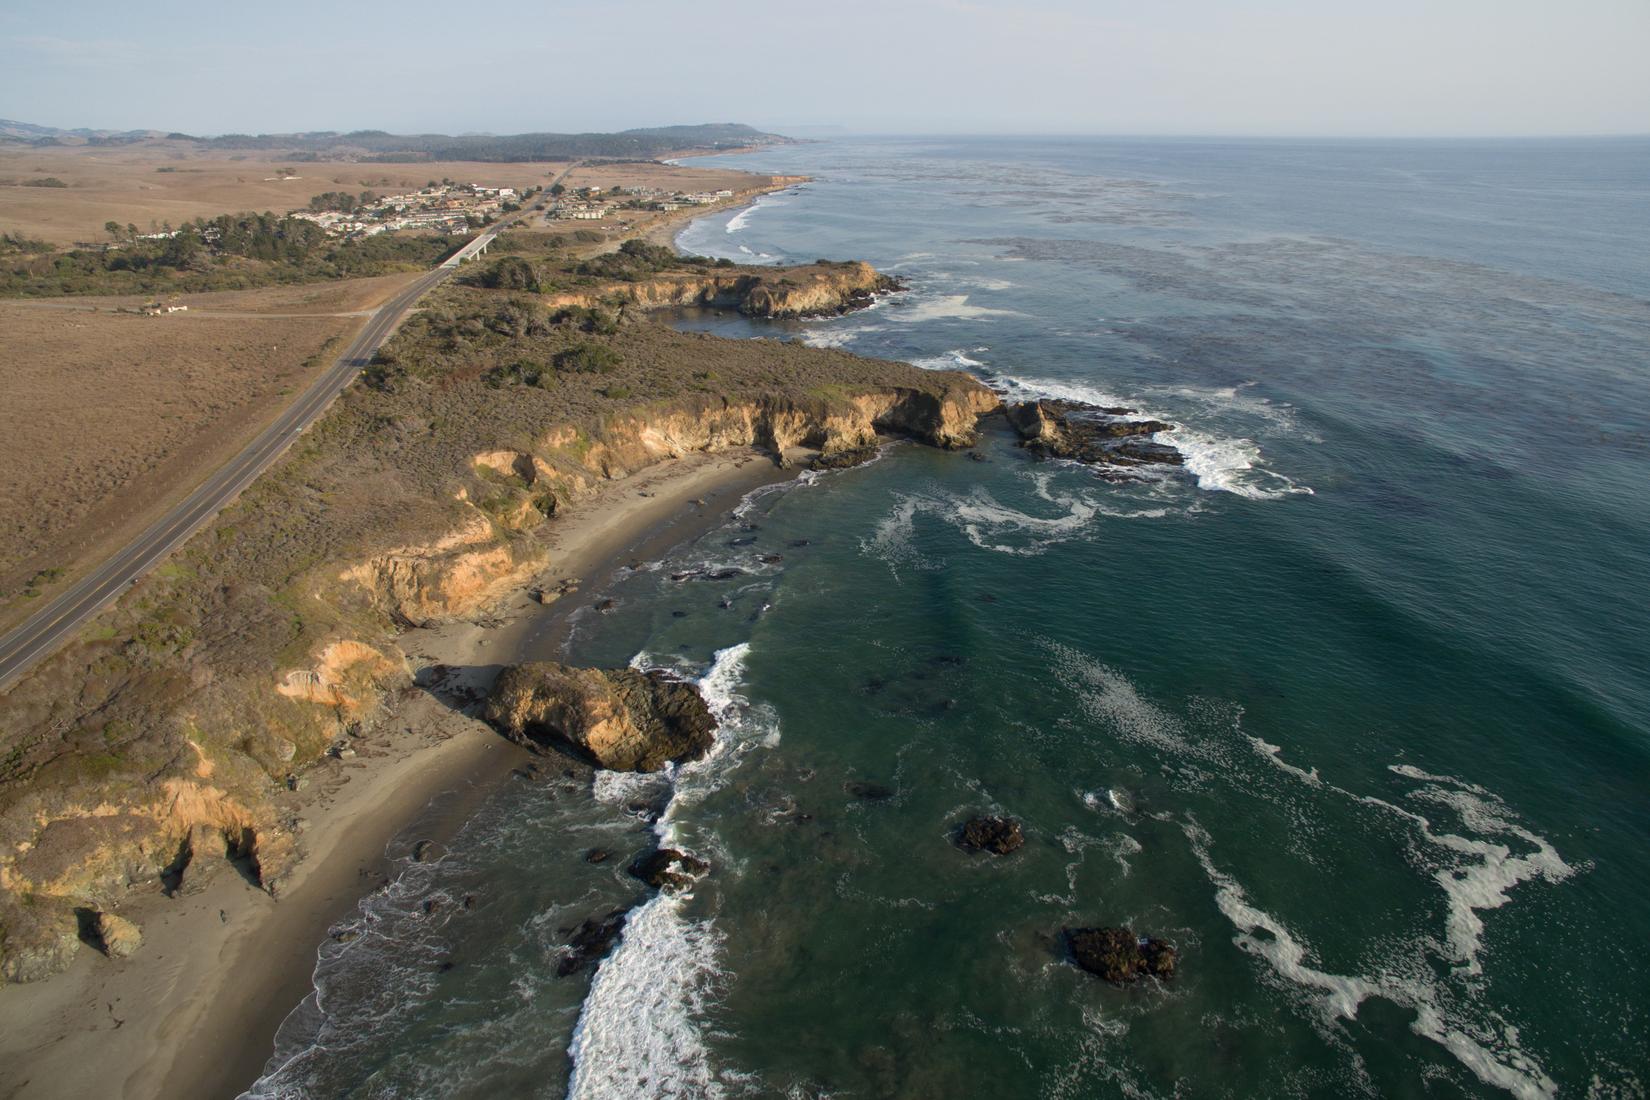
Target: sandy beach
194,1012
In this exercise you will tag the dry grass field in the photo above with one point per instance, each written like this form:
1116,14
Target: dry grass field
346,296
109,417
171,182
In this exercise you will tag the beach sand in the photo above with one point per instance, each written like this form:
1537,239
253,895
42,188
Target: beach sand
194,1012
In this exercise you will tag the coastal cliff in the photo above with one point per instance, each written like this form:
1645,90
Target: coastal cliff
816,290
173,735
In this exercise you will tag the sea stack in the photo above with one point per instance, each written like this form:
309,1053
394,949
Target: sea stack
620,719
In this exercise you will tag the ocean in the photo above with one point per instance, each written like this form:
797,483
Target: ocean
1353,709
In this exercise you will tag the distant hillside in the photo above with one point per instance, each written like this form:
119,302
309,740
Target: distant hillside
10,129
377,145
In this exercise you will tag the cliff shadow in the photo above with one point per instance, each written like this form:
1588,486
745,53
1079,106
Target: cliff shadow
462,688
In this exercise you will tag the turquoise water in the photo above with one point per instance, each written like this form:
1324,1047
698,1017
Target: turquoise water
1354,710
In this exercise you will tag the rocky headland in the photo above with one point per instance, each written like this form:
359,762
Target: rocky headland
1095,435
816,290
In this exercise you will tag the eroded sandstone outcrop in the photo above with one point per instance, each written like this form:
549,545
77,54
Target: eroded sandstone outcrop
119,936
463,570
621,719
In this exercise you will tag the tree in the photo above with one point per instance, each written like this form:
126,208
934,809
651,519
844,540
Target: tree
588,357
557,190
112,228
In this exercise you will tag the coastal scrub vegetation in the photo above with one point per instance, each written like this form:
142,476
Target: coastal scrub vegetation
180,678
229,252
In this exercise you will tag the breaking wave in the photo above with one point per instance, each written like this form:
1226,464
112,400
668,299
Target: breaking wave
1217,463
638,1033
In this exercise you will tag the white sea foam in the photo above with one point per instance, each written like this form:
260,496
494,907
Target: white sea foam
637,1035
1280,418
1273,754
1491,1053
836,334
1216,463
985,521
638,1031
950,307
1475,874
1232,466
955,359
1478,866
1108,697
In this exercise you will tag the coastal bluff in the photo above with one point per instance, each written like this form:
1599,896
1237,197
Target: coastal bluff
813,290
177,736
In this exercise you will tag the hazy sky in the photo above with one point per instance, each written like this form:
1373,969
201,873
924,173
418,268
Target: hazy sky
1422,67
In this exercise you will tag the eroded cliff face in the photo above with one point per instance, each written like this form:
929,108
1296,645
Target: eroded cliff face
457,573
72,849
811,291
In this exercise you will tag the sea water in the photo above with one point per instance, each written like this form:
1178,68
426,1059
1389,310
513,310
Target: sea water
1353,709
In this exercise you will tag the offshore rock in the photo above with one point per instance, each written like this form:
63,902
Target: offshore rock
1118,955
997,835
844,459
621,719
668,869
1090,434
590,942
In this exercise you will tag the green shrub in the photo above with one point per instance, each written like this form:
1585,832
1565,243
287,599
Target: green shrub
588,357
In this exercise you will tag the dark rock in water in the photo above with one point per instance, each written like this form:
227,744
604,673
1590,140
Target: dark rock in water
799,543
621,719
469,901
668,869
425,850
597,855
607,605
998,835
772,559
976,456
724,574
843,459
1088,433
1118,955
868,792
742,542
988,597
590,942
1141,452
678,614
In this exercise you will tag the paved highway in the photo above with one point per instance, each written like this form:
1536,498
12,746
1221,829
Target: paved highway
55,623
